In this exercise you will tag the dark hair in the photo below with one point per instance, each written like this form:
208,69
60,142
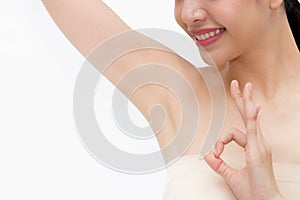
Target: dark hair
292,8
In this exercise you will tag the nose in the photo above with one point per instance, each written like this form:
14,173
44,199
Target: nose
192,12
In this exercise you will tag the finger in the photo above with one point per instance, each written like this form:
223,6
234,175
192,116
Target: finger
248,102
250,118
237,96
263,144
219,166
251,111
235,135
260,137
254,141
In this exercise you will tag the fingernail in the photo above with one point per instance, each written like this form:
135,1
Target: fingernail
249,88
258,107
235,84
217,149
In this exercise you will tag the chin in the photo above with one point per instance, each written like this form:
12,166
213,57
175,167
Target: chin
213,59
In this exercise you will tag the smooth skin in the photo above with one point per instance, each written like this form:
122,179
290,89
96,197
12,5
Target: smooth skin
257,47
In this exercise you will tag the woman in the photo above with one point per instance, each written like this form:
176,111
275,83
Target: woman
252,45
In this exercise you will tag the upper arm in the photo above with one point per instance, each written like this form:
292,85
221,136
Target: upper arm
90,26
86,23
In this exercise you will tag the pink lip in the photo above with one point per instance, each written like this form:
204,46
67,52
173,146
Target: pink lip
209,40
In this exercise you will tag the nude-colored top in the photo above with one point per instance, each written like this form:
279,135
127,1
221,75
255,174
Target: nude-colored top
190,178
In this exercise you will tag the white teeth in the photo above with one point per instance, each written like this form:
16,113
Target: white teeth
210,34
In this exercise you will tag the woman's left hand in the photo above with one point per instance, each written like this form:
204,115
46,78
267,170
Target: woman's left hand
256,180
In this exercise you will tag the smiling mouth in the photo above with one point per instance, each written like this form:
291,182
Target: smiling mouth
208,35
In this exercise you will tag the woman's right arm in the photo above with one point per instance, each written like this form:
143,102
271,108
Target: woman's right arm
86,23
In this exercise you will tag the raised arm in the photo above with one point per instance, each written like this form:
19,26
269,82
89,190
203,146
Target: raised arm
89,23
86,23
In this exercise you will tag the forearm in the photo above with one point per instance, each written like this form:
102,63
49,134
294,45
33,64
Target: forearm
86,23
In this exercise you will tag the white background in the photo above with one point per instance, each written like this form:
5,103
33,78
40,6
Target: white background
41,156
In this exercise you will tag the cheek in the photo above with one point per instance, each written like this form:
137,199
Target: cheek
241,23
177,15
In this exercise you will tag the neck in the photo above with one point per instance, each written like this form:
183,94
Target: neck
271,66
